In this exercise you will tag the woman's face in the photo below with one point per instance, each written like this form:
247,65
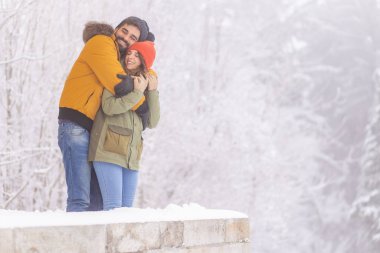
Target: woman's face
132,60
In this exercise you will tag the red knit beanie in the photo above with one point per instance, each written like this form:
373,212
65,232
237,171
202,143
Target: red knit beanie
146,50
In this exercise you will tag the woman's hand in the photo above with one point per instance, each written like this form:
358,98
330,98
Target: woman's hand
152,82
140,83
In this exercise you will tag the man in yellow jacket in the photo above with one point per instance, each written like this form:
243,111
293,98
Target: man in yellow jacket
97,67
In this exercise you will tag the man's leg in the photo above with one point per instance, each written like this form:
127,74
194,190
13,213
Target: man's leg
96,201
73,141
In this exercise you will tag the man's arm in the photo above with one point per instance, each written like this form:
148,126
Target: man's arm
100,53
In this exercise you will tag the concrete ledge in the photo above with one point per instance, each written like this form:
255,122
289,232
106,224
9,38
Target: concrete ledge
125,230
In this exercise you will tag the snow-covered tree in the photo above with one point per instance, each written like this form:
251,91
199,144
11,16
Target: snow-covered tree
269,107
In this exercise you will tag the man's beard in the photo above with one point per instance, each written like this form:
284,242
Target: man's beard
122,48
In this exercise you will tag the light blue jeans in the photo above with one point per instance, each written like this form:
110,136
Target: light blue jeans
117,184
83,193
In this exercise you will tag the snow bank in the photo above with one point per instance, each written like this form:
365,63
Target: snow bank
12,218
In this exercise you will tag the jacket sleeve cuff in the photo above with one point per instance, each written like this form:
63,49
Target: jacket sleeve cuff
152,93
138,92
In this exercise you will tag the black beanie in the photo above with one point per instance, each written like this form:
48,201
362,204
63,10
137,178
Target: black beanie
141,25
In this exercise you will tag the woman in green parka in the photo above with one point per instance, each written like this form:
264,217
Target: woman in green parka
116,140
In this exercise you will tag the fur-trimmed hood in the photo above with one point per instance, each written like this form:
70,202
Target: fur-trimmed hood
93,28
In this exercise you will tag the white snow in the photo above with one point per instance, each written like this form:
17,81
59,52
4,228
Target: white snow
192,211
290,137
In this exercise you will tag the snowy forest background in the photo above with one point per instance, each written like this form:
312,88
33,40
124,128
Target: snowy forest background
269,107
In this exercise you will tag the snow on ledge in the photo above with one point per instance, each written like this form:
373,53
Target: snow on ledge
11,218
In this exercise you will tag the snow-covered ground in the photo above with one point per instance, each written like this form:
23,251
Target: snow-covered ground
11,218
268,107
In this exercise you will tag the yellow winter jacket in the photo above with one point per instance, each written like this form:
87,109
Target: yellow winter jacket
95,69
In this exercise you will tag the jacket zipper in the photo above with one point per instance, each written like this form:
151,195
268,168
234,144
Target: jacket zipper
130,146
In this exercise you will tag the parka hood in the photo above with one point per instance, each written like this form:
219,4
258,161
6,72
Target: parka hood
93,28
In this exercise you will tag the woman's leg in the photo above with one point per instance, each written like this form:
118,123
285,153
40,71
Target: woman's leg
110,177
129,186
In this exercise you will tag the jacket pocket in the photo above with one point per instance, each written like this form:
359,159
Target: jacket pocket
89,97
117,139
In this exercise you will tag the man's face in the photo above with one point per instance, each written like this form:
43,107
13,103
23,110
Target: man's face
126,35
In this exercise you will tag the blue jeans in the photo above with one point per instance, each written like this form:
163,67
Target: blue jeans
117,184
83,192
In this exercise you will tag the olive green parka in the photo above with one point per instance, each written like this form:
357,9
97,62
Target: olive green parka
116,135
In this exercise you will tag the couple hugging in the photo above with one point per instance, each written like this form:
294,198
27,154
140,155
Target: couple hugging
110,96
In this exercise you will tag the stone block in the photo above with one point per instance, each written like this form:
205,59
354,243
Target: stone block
221,248
6,240
237,230
207,235
70,239
171,233
203,232
133,237
235,248
167,250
